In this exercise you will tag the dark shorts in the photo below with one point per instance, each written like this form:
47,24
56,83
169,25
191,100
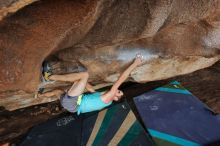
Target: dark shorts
69,102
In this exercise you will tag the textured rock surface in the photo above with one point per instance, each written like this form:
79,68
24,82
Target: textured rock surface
175,36
8,7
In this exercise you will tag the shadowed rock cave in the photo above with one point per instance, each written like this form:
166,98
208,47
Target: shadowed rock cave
179,39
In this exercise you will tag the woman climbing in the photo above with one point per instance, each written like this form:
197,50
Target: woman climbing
74,100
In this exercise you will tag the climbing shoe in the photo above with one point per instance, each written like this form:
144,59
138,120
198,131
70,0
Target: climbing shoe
47,71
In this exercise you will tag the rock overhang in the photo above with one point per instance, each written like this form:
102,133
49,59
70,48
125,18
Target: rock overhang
176,37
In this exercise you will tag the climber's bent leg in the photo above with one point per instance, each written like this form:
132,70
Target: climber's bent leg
69,99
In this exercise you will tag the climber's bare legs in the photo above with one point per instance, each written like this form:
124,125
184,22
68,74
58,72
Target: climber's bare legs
79,80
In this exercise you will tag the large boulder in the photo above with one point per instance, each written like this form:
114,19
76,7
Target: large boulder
175,36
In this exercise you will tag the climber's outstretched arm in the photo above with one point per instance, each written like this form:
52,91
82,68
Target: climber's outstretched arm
138,60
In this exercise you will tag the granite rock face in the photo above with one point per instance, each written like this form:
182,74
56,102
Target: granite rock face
175,36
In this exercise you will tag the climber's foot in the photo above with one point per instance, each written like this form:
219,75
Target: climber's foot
47,71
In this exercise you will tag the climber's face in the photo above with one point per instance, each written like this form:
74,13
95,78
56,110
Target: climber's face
118,95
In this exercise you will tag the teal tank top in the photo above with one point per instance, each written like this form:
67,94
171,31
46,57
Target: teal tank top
91,102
